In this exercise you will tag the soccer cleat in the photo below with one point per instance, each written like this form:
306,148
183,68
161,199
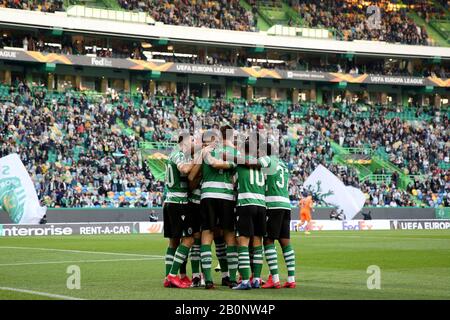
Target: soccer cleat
289,285
233,284
175,282
166,283
196,282
270,284
209,285
243,286
256,284
186,281
226,281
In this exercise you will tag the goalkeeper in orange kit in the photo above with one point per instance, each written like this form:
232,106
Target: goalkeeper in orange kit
306,207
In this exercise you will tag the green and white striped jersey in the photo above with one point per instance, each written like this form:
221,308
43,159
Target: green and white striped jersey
176,183
277,183
195,196
218,184
251,187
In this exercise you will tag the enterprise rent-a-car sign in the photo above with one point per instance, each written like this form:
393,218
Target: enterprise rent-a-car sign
11,230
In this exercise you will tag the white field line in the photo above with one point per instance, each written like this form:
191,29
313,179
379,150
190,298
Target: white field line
82,251
74,261
38,293
316,235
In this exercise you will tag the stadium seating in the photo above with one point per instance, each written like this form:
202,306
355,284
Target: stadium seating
418,22
93,142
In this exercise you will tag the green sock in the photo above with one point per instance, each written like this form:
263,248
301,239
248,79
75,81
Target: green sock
257,261
244,262
205,252
270,251
289,258
232,257
178,259
170,252
195,258
221,253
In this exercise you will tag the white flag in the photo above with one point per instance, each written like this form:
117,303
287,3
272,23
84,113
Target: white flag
17,193
333,192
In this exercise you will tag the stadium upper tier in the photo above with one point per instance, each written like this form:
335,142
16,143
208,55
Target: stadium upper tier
260,42
83,149
404,22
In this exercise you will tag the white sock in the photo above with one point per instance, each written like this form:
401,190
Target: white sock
245,281
257,279
225,274
276,278
202,279
196,275
291,279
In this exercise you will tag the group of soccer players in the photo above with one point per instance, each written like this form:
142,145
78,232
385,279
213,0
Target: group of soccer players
235,195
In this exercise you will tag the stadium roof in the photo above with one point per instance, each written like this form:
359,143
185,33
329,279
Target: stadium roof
35,19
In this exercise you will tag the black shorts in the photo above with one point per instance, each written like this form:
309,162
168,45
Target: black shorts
278,224
218,213
196,214
177,220
251,221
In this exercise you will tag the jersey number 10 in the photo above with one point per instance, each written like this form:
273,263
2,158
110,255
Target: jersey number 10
257,176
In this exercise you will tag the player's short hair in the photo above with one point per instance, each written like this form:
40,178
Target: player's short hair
209,135
183,136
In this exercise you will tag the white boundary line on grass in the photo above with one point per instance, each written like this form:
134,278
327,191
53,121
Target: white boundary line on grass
38,293
82,251
317,235
74,261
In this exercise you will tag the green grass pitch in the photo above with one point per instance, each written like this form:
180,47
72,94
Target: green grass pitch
330,265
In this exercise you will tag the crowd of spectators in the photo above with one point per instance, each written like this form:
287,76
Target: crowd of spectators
381,20
218,14
356,20
72,46
96,164
427,9
35,5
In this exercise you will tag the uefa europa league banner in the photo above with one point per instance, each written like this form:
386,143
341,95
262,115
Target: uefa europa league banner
17,193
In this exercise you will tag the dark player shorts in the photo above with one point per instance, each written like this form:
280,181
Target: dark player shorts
196,214
218,213
278,224
251,221
178,222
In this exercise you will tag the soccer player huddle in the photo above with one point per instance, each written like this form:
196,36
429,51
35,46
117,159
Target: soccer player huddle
233,192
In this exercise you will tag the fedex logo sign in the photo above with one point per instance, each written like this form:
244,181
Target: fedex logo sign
312,225
356,225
